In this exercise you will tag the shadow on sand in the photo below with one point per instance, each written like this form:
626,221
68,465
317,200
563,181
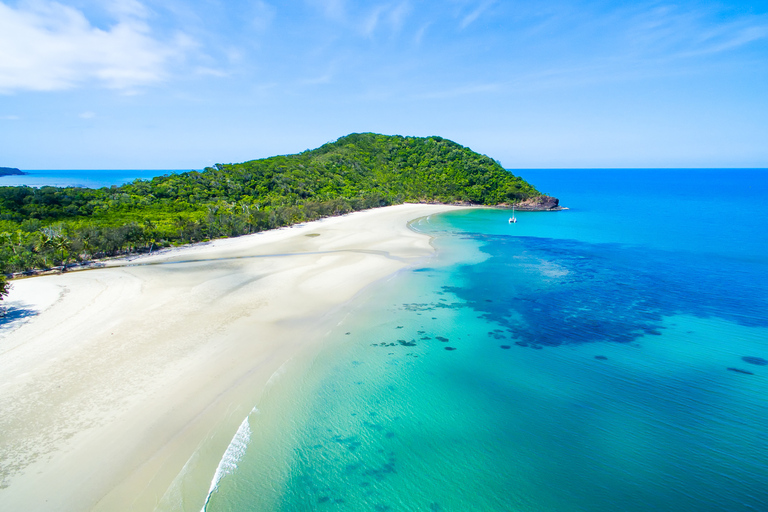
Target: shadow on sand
9,314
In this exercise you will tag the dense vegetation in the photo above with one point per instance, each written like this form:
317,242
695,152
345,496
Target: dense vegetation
7,171
49,226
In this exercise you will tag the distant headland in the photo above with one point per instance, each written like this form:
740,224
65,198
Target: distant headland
11,171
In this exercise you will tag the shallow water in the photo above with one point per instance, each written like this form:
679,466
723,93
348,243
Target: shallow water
609,357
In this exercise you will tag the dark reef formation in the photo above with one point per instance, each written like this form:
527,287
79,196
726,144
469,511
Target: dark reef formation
540,204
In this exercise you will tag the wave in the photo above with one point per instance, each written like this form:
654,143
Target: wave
232,456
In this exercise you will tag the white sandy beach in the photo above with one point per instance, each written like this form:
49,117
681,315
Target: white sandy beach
121,377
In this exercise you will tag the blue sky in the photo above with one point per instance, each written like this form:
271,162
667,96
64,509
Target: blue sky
132,84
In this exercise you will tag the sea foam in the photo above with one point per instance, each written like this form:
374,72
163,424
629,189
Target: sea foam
232,456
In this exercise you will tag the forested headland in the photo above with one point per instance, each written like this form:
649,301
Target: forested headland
49,226
10,171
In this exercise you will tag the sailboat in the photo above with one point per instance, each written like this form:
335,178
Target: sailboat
512,219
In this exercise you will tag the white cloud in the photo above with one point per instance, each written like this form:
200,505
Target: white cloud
47,46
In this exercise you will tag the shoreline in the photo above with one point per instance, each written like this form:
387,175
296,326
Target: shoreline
111,261
168,352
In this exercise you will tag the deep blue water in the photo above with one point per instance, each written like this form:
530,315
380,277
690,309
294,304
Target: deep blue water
80,178
613,356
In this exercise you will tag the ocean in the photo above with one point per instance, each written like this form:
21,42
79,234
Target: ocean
613,356
81,178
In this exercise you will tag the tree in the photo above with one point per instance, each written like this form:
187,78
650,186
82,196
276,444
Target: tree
5,286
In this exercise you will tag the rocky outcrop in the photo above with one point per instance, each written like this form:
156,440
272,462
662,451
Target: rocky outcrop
539,204
9,171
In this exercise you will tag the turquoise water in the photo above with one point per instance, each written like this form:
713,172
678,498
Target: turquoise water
80,178
609,357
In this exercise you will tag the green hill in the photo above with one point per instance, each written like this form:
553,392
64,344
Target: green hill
10,171
395,168
52,226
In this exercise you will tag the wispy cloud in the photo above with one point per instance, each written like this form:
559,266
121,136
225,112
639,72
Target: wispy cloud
729,37
398,14
371,21
10,118
420,33
670,31
478,11
87,115
333,9
121,9
49,46
368,20
638,42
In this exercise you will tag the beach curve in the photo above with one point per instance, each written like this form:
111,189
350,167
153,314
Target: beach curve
119,378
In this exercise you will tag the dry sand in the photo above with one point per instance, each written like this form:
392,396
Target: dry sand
121,377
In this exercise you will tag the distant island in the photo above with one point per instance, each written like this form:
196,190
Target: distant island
49,226
10,171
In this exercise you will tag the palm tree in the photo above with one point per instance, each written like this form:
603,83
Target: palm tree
62,245
44,244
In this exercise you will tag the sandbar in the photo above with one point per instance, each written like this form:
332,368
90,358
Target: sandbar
114,381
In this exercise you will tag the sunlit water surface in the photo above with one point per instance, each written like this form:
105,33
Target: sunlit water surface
612,357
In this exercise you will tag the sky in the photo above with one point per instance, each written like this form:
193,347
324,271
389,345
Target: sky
171,84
